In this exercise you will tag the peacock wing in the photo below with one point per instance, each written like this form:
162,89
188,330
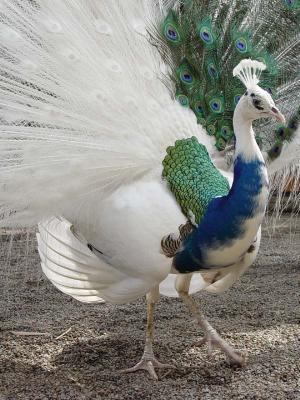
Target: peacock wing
193,178
79,270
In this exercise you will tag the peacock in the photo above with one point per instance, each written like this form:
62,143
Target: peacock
137,135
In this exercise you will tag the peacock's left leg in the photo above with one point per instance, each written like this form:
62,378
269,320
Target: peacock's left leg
211,336
148,361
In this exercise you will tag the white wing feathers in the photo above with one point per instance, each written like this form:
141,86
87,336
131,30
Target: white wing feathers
75,270
83,108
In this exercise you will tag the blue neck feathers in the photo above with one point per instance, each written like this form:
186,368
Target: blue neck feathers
225,220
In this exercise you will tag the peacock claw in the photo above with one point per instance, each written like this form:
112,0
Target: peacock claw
235,357
240,359
148,364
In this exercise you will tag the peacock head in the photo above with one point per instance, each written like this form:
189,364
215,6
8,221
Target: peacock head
256,103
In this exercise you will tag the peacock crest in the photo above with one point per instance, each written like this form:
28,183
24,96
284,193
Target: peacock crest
249,71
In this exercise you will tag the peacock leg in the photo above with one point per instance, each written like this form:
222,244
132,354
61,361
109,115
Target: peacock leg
148,361
211,336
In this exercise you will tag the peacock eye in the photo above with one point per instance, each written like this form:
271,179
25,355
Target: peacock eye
171,33
183,100
199,108
211,130
246,94
226,132
206,35
252,95
187,78
289,3
237,98
212,71
216,104
241,45
257,105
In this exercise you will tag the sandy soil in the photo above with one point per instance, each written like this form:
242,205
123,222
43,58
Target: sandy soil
260,316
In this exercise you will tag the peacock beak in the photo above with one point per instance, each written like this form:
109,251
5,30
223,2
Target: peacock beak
275,113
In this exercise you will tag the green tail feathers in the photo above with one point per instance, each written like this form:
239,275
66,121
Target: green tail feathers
192,177
202,41
284,134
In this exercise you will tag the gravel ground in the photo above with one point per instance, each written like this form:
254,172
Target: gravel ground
260,316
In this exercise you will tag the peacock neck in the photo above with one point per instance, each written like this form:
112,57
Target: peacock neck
246,146
250,178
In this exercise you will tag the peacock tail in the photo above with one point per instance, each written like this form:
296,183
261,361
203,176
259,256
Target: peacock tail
83,110
284,134
202,41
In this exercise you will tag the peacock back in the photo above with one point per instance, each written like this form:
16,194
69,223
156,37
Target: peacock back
192,177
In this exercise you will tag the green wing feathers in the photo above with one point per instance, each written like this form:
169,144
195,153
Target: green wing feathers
192,177
202,41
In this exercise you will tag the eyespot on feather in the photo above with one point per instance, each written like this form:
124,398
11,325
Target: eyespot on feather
171,30
182,99
206,33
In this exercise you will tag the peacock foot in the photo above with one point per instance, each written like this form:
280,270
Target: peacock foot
148,364
214,341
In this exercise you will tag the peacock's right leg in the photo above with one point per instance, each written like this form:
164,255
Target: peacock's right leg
148,361
211,336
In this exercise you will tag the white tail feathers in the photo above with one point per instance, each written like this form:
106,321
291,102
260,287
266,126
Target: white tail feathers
83,108
249,71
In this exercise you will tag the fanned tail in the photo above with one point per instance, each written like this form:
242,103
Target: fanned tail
83,108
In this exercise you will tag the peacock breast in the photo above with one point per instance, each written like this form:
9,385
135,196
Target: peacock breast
230,223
